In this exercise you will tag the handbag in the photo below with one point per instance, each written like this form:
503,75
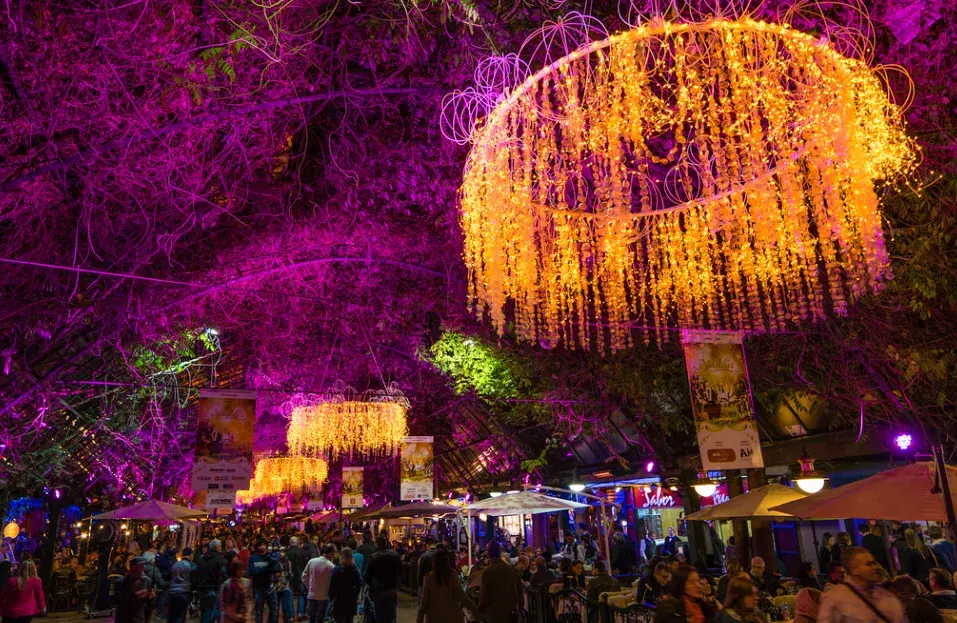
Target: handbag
874,609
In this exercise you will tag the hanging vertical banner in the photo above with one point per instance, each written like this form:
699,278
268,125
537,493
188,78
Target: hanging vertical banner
416,476
351,487
224,439
721,398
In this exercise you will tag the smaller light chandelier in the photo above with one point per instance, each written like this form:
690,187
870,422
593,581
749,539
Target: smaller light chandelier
284,474
343,422
704,486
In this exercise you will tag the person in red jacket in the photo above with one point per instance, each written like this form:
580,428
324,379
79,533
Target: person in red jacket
21,598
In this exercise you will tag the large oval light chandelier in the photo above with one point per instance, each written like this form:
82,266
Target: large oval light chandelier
715,175
276,475
343,422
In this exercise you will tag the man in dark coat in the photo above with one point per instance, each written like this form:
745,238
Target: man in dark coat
297,562
382,576
426,561
624,558
210,575
136,596
652,587
501,592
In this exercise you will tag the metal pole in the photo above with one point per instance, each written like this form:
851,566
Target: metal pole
604,522
945,490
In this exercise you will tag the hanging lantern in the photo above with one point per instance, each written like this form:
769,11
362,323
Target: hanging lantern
11,530
714,175
343,423
809,481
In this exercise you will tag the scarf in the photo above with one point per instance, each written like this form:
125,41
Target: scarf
693,611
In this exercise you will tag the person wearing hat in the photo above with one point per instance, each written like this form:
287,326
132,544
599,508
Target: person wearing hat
136,595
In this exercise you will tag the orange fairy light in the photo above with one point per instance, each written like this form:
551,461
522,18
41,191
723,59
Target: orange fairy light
710,175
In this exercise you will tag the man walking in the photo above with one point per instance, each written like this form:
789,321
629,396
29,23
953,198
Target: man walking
315,580
501,592
136,596
860,599
382,576
210,575
297,564
263,565
181,588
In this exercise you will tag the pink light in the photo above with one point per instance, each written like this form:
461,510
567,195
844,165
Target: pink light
650,467
903,441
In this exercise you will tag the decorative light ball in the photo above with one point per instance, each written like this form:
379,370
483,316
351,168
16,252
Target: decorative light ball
11,530
705,489
714,175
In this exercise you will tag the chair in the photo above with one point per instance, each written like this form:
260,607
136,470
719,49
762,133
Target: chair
63,593
568,606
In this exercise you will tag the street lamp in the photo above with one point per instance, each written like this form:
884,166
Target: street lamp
704,486
809,481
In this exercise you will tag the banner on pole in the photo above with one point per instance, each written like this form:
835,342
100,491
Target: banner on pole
351,487
416,477
220,499
224,439
721,399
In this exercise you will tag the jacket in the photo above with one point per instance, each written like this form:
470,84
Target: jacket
623,556
382,570
946,554
211,571
131,608
297,562
944,600
181,578
602,583
316,578
442,603
344,590
426,562
29,602
501,592
262,568
672,610
649,590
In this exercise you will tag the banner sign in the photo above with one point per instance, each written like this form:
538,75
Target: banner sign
224,439
351,487
416,476
721,398
220,499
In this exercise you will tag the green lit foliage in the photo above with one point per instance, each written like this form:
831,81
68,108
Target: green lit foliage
473,366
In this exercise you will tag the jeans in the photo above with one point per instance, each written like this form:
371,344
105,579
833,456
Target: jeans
301,604
385,605
209,599
317,610
286,605
178,607
266,597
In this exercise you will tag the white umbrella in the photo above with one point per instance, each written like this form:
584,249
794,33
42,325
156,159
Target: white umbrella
519,503
523,503
756,503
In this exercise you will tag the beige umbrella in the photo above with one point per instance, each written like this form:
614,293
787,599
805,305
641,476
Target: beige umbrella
755,504
152,510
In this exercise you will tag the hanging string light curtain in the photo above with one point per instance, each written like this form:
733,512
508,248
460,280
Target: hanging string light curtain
284,474
344,423
707,175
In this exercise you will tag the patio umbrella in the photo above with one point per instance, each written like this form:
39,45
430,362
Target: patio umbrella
416,509
367,513
523,503
907,493
152,510
755,504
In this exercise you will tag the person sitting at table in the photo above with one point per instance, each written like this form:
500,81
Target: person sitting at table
601,583
807,576
684,602
918,610
652,587
765,581
543,577
574,578
741,604
942,592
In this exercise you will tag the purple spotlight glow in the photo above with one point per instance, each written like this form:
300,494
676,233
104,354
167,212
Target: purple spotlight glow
650,466
903,441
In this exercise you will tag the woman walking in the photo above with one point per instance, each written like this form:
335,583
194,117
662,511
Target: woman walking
827,555
442,594
344,588
918,558
21,598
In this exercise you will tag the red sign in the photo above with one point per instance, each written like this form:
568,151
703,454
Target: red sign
661,497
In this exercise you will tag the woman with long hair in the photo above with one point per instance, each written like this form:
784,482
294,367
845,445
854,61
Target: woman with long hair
234,600
807,576
344,588
741,604
21,598
442,594
685,602
826,555
918,558
734,570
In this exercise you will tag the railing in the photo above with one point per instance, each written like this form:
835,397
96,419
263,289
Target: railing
633,613
409,578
